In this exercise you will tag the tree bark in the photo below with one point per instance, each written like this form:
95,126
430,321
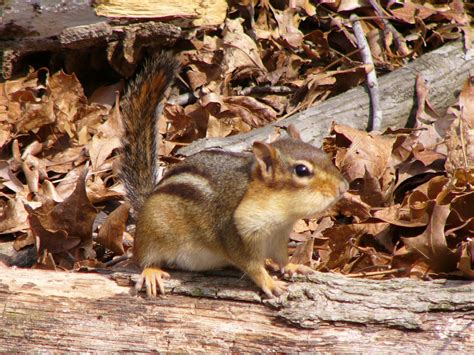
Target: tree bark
46,310
444,69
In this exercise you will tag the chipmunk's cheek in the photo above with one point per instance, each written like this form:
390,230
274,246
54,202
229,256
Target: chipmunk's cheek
314,201
311,203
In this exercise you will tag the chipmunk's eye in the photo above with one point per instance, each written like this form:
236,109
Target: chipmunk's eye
302,170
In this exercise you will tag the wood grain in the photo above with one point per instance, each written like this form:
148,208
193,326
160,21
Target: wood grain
45,311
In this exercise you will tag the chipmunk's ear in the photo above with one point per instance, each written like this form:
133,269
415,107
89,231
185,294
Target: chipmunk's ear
293,132
265,155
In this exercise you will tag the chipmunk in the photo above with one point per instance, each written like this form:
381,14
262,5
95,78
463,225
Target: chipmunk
216,208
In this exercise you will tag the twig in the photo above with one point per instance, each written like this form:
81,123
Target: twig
183,100
463,143
398,38
338,60
377,273
375,120
267,89
118,259
365,250
378,267
73,179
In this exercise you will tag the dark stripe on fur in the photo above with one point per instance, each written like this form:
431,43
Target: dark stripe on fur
185,191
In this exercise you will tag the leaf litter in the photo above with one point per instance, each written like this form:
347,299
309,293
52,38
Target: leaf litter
410,208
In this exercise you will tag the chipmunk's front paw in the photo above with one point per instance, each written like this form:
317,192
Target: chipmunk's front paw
273,288
291,269
152,277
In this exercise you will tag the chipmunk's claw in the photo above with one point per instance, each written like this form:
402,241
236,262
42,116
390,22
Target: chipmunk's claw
152,277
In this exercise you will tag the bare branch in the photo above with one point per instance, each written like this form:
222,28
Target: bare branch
375,121
398,38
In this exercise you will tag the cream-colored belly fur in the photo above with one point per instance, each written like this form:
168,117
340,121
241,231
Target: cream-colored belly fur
188,257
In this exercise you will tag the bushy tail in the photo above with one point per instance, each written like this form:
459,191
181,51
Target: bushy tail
144,92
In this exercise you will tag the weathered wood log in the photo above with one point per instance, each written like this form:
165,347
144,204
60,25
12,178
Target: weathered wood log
44,18
444,69
46,26
114,38
48,18
45,310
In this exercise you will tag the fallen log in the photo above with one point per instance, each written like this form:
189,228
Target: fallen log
444,69
28,28
46,310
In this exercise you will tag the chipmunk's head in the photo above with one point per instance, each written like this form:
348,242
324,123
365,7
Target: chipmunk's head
302,176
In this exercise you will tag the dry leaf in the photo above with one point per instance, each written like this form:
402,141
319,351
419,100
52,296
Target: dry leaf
14,217
111,232
64,226
466,261
365,152
53,241
432,245
303,253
